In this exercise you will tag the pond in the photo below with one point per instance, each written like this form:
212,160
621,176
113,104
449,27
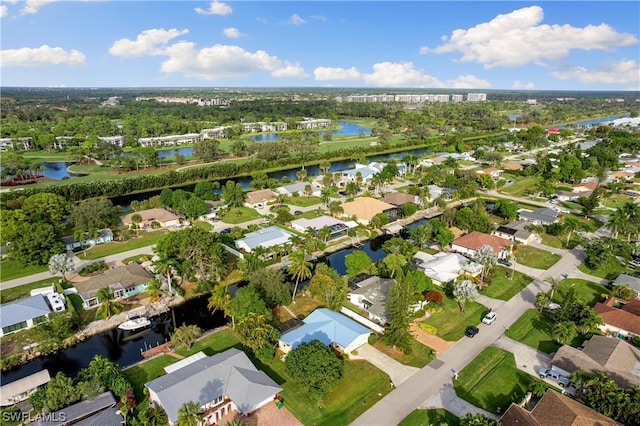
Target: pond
57,170
345,129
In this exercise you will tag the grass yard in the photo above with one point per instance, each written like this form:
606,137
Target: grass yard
22,291
616,201
303,201
492,381
239,215
588,291
559,241
534,330
609,270
362,385
502,287
205,226
212,343
137,258
146,371
535,258
420,355
451,323
11,269
114,247
519,187
437,416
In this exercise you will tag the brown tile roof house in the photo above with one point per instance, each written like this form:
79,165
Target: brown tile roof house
619,320
475,239
261,196
555,409
365,208
162,216
399,198
585,187
119,279
619,359
513,166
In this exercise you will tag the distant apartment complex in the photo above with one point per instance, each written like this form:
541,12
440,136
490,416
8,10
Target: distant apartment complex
170,140
59,142
263,126
413,98
197,101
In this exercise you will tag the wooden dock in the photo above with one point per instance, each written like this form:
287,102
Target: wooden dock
160,349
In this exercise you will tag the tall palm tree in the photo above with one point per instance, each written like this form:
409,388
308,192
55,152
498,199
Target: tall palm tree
554,284
570,224
78,235
299,269
108,304
154,288
190,414
136,218
486,257
165,265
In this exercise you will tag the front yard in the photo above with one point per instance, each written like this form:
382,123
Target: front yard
492,381
519,187
534,330
303,201
437,416
609,270
239,215
587,291
11,269
420,355
502,287
451,323
535,258
114,247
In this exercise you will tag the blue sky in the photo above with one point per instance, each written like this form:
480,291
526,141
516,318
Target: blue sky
574,45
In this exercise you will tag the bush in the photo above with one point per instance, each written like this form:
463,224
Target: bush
266,354
373,338
428,328
635,341
419,313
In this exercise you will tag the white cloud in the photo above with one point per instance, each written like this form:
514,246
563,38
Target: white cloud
319,18
232,32
215,8
626,71
32,6
520,85
519,38
3,11
327,73
221,61
41,56
296,20
391,74
148,42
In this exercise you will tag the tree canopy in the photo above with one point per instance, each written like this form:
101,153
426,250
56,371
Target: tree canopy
315,367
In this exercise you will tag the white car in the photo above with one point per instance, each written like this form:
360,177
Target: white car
489,318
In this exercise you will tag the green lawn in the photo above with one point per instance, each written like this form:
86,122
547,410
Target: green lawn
239,215
587,291
534,330
492,381
311,214
536,258
213,343
206,226
609,270
303,201
559,241
502,287
10,269
146,371
7,295
517,188
419,356
114,247
435,417
137,258
451,323
616,201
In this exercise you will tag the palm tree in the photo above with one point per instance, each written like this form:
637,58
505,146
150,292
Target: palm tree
136,218
570,225
299,269
164,265
155,289
108,305
78,235
554,284
325,166
335,208
190,414
486,257
325,194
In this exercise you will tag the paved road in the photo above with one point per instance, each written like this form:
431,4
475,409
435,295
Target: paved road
436,378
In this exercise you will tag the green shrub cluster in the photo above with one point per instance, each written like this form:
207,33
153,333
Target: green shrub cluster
428,328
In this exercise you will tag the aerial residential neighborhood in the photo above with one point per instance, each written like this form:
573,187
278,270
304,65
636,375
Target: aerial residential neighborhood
319,213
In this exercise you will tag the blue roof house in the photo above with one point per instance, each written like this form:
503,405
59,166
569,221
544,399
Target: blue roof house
331,328
24,313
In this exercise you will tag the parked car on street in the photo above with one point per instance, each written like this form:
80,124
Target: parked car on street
471,331
489,318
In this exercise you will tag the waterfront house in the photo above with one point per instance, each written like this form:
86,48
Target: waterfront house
124,281
19,390
365,208
24,313
266,237
221,384
300,189
101,410
331,328
399,199
337,227
366,171
468,244
444,267
104,236
163,217
258,199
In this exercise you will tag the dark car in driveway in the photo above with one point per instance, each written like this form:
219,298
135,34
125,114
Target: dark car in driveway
298,212
472,331
504,262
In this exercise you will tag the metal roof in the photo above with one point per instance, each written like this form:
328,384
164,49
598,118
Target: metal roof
83,410
266,237
184,362
23,310
10,393
229,373
326,326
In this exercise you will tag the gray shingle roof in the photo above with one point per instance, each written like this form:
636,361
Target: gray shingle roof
544,215
23,310
229,373
632,281
127,276
87,412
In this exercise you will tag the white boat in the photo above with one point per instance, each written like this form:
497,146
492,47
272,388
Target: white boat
135,323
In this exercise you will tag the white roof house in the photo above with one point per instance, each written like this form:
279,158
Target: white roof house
317,223
367,172
299,188
445,267
266,237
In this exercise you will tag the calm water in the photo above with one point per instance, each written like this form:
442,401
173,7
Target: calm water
57,170
120,346
587,123
346,129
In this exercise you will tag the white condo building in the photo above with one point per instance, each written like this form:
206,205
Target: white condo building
476,97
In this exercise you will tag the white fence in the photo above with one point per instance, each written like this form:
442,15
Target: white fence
362,320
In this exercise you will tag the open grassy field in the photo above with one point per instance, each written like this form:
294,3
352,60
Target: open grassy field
502,286
534,329
451,323
11,269
240,215
519,187
438,416
492,381
303,201
535,258
588,291
609,270
114,247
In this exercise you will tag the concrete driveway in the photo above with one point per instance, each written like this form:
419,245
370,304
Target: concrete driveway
396,371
